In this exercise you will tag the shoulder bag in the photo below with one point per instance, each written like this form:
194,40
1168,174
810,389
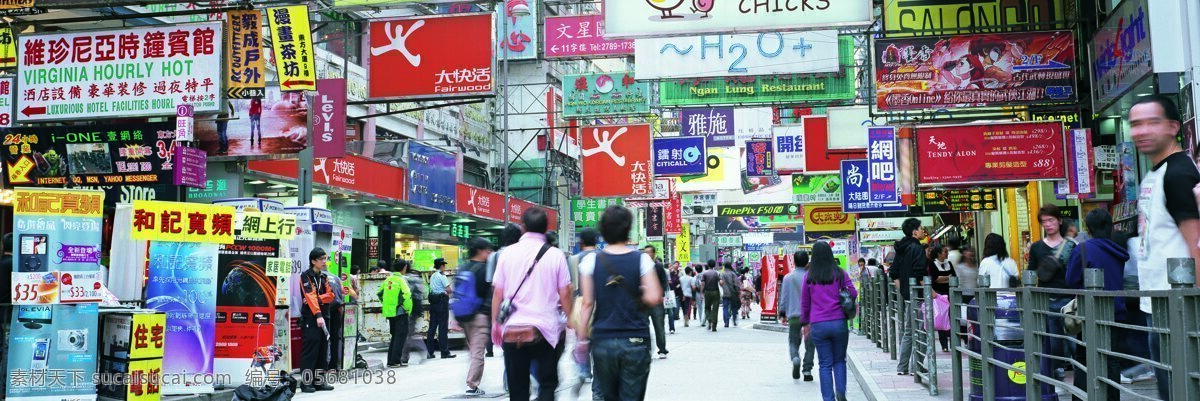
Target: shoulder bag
848,303
1072,323
523,334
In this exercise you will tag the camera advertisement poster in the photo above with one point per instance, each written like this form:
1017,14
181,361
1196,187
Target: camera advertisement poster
56,244
245,304
52,352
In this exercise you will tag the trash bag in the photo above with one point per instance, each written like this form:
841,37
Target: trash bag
941,313
284,390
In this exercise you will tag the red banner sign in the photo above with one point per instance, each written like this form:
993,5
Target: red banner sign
431,56
329,122
818,158
975,70
990,153
480,202
377,178
673,215
616,161
517,207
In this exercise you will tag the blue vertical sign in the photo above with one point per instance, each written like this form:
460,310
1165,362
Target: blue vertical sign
856,191
683,155
432,180
881,162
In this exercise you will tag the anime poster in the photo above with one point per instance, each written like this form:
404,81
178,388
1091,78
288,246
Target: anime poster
975,70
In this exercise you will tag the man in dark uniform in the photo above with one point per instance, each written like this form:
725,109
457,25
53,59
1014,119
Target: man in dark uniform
314,351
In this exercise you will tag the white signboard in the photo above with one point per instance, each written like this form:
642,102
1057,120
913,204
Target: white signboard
144,71
662,18
767,53
6,102
752,123
789,147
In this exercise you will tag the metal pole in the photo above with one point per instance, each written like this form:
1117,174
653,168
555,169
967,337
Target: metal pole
304,182
504,121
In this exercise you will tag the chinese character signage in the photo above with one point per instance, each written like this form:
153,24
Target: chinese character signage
683,245
824,188
291,39
6,99
329,124
480,202
925,17
727,241
458,230
881,162
699,200
856,196
56,245
343,174
182,222
260,225
617,161
90,155
581,36
438,56
679,156
1121,53
1080,162
971,200
245,61
654,223
8,48
608,94
432,177
975,70
628,19
131,72
760,159
191,167
673,215
738,55
990,153
789,147
587,212
517,208
274,125
279,267
521,41
716,124
827,218
52,352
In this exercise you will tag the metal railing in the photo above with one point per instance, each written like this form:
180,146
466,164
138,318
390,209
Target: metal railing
883,315
924,338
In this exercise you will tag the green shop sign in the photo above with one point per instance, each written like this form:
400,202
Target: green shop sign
825,188
604,95
799,88
586,212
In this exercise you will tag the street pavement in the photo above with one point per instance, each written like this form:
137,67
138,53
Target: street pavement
734,363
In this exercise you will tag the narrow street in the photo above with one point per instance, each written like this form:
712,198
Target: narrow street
733,363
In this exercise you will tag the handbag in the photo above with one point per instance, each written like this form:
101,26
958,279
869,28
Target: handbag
1072,323
523,334
848,303
669,300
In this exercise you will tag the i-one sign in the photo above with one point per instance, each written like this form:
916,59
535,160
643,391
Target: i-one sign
131,72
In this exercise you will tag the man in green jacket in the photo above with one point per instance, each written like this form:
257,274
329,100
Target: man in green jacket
397,304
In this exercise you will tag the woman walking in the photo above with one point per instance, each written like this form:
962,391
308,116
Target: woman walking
940,271
823,320
687,283
996,263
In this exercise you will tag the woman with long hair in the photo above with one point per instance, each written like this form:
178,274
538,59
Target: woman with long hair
823,320
940,270
996,262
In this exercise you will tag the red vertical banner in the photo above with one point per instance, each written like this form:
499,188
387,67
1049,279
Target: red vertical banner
673,214
616,161
329,121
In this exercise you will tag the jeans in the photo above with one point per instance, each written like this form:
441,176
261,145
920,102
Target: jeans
730,305
795,338
672,314
478,329
660,337
1164,377
518,366
712,301
688,312
410,344
700,306
439,321
905,339
399,326
831,339
256,127
1054,325
622,368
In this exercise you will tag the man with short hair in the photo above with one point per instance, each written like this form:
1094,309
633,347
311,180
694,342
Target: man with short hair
732,293
909,262
531,282
478,327
789,310
711,283
314,350
587,246
1169,221
439,311
1048,257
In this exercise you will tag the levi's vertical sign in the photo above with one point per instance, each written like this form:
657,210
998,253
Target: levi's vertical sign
659,18
144,71
292,40
329,124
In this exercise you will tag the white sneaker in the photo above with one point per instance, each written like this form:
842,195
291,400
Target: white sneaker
1143,377
1126,380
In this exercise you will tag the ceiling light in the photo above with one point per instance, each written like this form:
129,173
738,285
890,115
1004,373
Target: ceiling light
256,182
278,186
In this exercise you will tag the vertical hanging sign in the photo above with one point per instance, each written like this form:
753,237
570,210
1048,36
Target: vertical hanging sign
329,123
245,62
291,40
6,100
1080,167
8,48
760,159
881,162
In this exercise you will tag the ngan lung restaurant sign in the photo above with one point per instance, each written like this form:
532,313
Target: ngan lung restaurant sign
990,153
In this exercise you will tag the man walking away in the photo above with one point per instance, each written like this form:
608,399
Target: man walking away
730,293
711,280
658,314
473,312
439,311
531,281
789,310
698,289
396,297
416,289
909,262
508,236
687,284
1169,219
587,246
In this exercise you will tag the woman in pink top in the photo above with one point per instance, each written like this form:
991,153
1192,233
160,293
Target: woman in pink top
823,320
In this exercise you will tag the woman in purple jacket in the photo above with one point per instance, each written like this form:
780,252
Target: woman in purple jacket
823,320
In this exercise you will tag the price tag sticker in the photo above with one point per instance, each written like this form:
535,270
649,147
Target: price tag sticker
35,288
81,287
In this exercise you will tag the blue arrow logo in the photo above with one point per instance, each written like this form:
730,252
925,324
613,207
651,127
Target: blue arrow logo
691,155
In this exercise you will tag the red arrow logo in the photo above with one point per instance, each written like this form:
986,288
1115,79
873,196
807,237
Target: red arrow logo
291,83
29,111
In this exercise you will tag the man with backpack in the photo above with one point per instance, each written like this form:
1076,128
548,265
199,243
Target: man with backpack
471,305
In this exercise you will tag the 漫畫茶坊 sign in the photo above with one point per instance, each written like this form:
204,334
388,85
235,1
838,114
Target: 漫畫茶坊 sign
659,18
291,38
765,53
142,71
679,155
